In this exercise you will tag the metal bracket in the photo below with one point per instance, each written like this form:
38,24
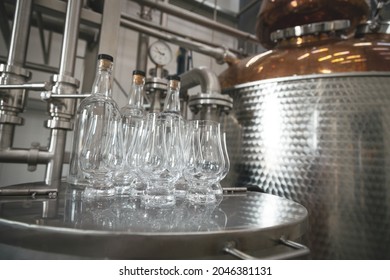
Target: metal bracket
300,251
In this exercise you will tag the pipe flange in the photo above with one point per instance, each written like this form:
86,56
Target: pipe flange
153,84
15,70
199,100
11,119
65,79
59,124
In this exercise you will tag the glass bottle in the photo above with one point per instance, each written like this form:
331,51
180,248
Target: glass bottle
98,140
173,108
172,100
132,120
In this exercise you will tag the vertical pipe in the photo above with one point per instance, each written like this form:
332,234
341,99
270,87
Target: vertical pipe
67,65
69,42
13,101
143,44
20,33
56,148
4,26
142,52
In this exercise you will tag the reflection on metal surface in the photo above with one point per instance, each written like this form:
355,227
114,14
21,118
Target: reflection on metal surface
312,54
123,228
323,141
128,214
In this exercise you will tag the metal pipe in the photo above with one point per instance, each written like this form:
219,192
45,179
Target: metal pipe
6,136
4,26
194,18
220,54
54,166
210,104
69,43
29,86
13,101
167,30
143,44
36,66
46,95
30,156
63,111
20,33
202,76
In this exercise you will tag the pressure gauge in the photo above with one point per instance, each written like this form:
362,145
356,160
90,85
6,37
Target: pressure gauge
160,53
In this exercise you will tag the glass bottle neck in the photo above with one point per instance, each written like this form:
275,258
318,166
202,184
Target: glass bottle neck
103,80
172,101
136,98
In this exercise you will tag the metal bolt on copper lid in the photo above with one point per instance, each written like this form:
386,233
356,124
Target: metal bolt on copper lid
382,27
309,29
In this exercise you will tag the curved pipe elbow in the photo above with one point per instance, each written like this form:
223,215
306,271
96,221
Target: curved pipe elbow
202,76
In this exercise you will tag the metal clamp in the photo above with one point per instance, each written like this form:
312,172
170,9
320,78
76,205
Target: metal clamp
32,159
11,119
300,251
15,70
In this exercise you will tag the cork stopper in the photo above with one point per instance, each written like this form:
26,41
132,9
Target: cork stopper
174,81
105,61
138,77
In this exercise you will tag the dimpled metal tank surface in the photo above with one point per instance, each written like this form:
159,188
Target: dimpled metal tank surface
323,141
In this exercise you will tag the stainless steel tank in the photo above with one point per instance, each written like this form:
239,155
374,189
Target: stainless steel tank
310,123
323,141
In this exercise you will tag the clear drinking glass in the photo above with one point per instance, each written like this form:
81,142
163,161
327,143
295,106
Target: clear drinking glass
182,185
125,177
132,118
217,186
102,150
133,154
161,159
204,160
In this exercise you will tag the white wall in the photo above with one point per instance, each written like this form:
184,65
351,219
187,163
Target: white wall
35,113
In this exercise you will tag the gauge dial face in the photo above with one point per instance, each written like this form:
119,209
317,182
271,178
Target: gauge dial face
160,53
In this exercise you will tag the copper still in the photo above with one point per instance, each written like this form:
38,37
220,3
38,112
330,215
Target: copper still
280,14
311,123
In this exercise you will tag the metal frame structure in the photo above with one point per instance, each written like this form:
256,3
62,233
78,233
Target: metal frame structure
60,92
